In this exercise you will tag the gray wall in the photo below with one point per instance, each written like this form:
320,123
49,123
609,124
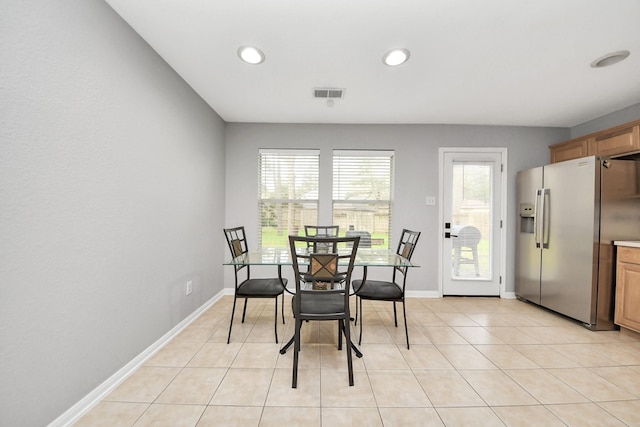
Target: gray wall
619,117
111,194
417,174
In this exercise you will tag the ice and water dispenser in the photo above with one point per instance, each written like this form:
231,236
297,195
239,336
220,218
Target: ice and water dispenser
527,217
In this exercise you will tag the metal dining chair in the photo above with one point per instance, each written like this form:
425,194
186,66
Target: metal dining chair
322,292
247,287
394,290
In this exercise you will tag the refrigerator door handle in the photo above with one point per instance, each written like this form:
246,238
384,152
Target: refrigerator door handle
546,205
536,221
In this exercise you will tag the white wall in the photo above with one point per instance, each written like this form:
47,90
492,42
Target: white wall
416,174
111,198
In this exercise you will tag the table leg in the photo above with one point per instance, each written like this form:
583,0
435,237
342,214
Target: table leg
284,349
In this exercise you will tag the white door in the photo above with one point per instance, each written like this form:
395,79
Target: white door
472,213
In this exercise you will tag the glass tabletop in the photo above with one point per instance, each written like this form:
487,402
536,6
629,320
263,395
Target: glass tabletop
365,257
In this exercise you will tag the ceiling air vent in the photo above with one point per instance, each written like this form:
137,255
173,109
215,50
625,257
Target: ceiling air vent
328,93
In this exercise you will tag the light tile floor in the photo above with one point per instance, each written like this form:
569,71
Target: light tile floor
473,361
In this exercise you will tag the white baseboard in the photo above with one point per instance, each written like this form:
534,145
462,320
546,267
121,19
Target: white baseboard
436,294
423,294
83,406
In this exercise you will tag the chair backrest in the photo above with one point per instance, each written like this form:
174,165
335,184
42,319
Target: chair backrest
322,272
406,246
237,241
322,231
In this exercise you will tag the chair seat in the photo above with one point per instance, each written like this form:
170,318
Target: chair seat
261,288
320,304
377,289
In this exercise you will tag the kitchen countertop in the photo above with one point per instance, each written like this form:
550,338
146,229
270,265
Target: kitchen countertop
631,244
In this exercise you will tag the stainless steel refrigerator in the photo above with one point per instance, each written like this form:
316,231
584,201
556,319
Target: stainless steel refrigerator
570,213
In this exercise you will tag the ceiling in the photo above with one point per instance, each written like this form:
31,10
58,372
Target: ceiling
491,62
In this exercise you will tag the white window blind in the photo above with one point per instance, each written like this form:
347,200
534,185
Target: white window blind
363,195
288,194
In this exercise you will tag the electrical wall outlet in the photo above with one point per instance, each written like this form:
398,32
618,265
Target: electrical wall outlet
189,288
431,201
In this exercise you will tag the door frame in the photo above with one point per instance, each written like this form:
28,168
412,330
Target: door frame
503,210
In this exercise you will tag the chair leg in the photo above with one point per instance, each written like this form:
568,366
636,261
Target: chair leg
340,328
355,322
275,321
244,310
361,318
296,349
282,307
347,337
406,329
233,311
395,315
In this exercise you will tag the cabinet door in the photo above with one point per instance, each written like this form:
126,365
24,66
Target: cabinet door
621,142
628,289
571,150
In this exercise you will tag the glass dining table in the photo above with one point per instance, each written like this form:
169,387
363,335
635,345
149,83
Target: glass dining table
281,256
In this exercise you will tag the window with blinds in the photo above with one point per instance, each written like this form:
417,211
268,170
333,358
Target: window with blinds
288,195
363,195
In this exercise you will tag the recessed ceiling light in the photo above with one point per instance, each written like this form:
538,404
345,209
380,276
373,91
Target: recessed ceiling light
250,54
396,57
610,59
